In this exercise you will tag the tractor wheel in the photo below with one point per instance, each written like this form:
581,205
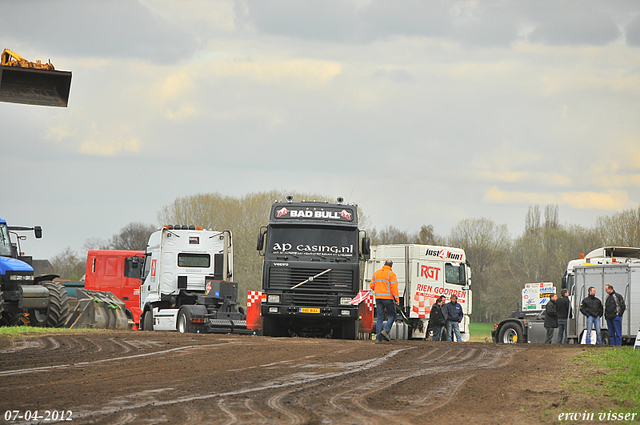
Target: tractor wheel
510,334
6,317
57,314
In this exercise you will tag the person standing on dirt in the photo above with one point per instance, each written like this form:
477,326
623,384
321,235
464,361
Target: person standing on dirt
454,317
614,308
384,284
550,318
443,333
563,308
592,308
436,319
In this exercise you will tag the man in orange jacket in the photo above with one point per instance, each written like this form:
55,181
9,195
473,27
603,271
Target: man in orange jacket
385,286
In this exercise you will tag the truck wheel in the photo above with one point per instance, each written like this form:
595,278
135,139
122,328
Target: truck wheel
350,329
57,314
605,338
184,321
510,334
147,321
268,326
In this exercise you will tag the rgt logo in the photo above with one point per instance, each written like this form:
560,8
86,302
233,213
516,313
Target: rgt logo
429,272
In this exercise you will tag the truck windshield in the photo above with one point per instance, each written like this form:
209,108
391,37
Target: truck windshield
5,242
194,260
454,273
313,242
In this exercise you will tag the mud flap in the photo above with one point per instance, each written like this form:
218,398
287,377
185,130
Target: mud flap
254,307
98,310
34,86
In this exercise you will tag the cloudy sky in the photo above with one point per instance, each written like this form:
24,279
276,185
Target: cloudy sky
421,112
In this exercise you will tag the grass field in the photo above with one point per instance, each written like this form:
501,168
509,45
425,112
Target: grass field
20,331
480,332
622,365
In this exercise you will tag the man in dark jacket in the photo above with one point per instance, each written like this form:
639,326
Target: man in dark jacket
454,317
550,318
436,319
592,308
563,308
613,310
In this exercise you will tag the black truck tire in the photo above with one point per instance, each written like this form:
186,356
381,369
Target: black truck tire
510,333
350,329
183,324
57,314
269,326
147,321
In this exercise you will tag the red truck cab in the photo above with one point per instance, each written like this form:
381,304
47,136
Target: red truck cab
118,272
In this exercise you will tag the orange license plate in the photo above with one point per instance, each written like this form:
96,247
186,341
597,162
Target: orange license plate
308,310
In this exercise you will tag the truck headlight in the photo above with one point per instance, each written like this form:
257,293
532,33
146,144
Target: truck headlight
273,299
345,300
345,312
19,277
273,309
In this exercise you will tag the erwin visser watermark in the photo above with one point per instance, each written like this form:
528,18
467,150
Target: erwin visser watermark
590,416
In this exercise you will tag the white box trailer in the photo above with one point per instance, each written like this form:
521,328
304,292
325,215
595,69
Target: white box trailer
625,279
424,272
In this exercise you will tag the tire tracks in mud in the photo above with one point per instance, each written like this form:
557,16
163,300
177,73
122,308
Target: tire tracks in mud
352,399
308,392
301,386
122,348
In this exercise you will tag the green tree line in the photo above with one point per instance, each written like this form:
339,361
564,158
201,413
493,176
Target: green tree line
500,264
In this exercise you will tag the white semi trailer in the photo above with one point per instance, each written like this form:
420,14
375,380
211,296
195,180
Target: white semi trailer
424,272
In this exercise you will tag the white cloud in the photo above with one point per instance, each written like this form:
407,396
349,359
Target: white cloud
612,200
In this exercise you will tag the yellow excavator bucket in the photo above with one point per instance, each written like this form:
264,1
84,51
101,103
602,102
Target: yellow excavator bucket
32,83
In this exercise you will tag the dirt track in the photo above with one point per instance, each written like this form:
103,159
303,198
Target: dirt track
156,377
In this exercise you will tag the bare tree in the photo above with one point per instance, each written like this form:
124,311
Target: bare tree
487,245
621,228
132,237
69,265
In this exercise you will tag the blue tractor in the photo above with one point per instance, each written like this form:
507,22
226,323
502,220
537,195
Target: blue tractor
25,298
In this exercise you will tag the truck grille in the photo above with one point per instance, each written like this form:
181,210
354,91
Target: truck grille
331,282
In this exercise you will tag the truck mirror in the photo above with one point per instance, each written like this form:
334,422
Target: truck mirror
366,246
135,262
260,243
38,231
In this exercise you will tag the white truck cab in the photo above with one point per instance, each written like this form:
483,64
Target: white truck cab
424,273
187,283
